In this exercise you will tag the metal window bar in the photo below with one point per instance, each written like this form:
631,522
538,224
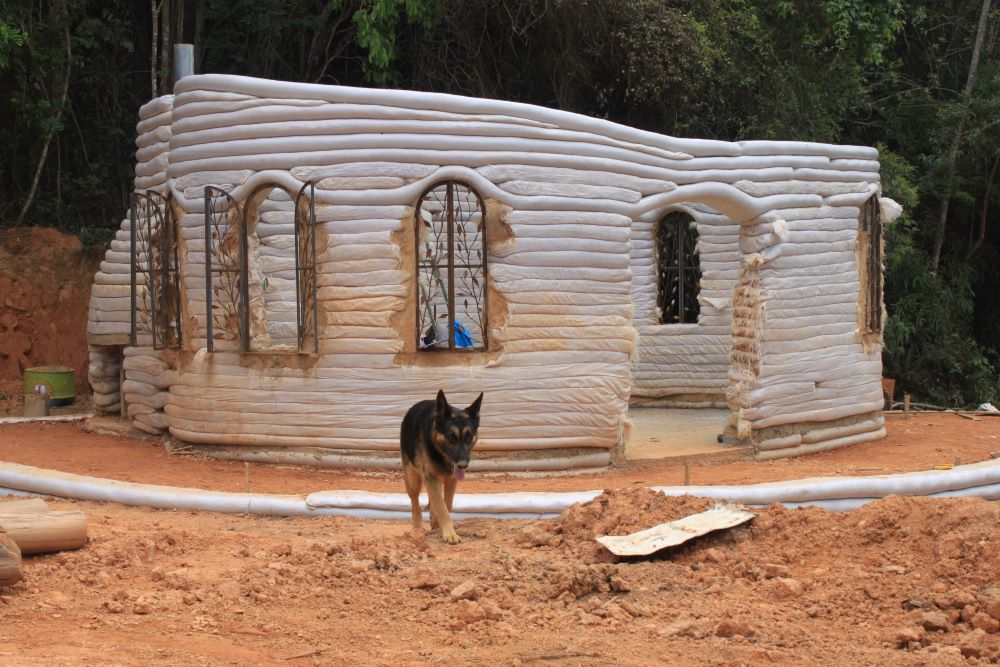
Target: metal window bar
306,282
452,207
871,226
153,238
678,270
223,220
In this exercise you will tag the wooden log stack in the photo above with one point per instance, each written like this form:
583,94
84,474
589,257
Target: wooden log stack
29,527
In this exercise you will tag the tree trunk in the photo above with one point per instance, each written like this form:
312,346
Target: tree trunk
59,114
199,26
984,211
179,22
165,48
153,50
956,141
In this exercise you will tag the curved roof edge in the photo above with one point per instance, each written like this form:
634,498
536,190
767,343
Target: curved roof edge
683,148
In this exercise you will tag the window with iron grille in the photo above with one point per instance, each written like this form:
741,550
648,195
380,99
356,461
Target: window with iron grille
155,286
451,269
871,234
259,301
677,269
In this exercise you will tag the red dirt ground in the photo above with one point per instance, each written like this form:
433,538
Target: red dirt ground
45,279
905,581
920,443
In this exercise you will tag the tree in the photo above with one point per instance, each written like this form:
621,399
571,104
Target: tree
952,155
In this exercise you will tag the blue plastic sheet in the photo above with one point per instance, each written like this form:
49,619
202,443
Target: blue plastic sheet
462,336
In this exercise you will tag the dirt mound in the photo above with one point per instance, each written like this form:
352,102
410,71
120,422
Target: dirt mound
614,512
904,581
45,280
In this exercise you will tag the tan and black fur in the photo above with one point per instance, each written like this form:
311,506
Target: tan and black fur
436,441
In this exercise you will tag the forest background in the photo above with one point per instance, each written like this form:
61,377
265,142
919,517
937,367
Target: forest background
919,79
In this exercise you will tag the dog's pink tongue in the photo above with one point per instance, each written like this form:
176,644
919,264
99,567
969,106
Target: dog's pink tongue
459,473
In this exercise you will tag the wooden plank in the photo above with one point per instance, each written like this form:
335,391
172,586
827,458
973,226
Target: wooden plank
672,533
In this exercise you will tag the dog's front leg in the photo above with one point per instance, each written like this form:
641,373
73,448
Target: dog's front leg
439,510
411,477
449,491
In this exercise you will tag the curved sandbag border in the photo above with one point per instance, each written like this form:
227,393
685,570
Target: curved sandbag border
830,493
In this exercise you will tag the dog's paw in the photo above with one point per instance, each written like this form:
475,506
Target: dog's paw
434,525
451,537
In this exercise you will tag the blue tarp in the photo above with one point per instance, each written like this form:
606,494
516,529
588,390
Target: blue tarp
462,336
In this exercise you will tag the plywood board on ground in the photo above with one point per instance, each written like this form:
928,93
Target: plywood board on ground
673,533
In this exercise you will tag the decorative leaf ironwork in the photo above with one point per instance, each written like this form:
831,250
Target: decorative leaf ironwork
155,284
678,270
451,272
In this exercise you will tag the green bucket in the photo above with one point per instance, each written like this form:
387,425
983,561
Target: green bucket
58,380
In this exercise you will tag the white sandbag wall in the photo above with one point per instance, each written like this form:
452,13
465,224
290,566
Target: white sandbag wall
793,361
110,315
148,376
110,318
572,270
685,364
819,384
103,375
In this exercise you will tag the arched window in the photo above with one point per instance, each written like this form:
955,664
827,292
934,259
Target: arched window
677,271
451,269
155,292
260,275
871,249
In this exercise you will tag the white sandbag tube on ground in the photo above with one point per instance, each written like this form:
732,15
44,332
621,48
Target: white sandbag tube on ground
834,494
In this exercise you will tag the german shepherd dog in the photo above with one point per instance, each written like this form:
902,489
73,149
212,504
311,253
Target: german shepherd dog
436,442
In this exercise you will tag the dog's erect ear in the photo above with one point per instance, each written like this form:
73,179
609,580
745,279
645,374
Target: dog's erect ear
473,410
442,405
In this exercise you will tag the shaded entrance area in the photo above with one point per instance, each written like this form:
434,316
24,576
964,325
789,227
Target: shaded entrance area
660,433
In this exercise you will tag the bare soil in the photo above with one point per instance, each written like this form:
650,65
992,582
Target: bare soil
920,443
904,581
45,281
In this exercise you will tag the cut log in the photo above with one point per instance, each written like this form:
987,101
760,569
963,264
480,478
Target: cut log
10,560
23,506
48,531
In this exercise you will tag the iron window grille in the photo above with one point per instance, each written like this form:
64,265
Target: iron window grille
871,228
451,269
229,279
155,278
677,268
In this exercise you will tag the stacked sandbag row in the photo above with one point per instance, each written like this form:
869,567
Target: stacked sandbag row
784,347
355,394
110,317
103,373
110,320
819,381
365,284
685,364
573,200
148,377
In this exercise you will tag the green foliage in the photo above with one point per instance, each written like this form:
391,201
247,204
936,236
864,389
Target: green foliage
929,347
885,72
11,40
96,237
377,24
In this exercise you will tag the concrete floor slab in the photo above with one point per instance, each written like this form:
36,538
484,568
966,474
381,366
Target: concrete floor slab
659,433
